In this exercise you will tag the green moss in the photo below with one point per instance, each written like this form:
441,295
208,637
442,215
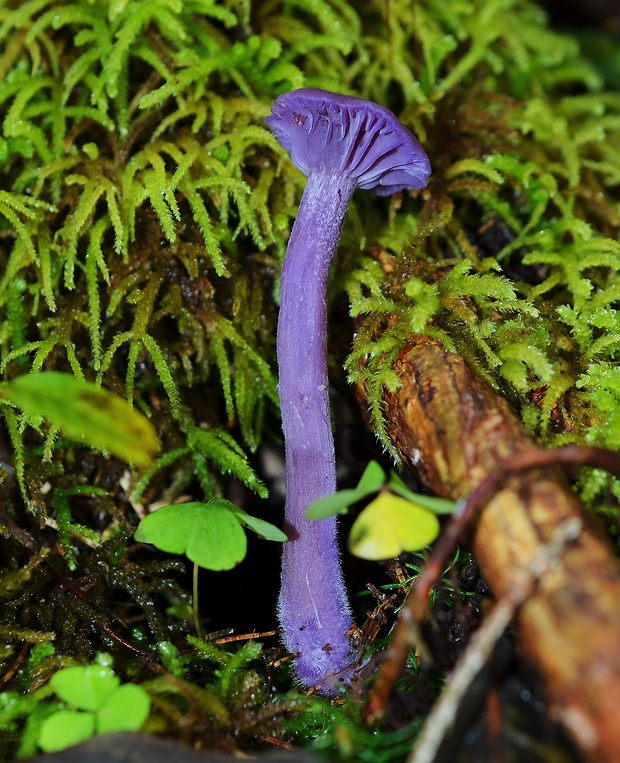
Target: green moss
512,251
144,214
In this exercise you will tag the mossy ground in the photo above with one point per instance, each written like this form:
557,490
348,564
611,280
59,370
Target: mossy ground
144,212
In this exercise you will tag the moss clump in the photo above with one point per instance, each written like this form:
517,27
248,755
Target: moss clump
511,256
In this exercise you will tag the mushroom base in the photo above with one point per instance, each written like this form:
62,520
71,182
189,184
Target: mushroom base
315,612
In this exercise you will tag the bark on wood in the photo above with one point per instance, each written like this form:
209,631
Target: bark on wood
453,430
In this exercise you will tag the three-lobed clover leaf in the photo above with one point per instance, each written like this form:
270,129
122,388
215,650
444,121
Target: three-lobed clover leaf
96,703
210,534
396,520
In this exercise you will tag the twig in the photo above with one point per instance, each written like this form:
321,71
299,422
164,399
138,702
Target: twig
77,591
8,676
483,643
244,637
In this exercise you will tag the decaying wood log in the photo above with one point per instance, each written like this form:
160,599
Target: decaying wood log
453,430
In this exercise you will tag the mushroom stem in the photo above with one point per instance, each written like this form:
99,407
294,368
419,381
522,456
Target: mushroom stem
313,606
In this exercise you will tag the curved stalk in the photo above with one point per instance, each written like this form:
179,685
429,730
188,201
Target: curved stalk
313,607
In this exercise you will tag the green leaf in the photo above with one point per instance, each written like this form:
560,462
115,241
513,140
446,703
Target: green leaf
263,529
65,729
84,687
390,525
85,412
125,710
371,480
432,503
208,534
336,503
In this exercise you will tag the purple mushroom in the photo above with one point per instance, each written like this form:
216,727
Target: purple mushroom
340,143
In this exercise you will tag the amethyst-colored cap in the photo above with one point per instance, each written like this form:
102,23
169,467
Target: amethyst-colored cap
345,135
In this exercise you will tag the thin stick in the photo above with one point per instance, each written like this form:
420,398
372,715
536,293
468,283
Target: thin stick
244,637
483,642
77,591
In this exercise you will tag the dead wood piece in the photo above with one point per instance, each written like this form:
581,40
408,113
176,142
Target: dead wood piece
480,649
453,430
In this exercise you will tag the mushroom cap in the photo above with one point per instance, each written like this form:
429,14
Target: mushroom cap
343,135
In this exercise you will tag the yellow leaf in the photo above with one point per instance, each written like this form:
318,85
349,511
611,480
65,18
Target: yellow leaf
390,525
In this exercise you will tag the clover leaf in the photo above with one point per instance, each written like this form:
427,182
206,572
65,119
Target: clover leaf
210,534
396,520
95,702
372,481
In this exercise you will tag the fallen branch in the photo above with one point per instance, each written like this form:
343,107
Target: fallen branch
480,649
454,432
